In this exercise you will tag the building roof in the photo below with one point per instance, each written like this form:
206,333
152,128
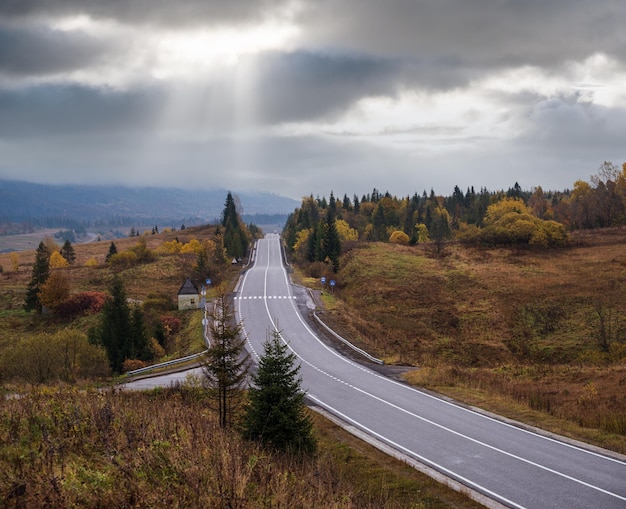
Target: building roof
188,288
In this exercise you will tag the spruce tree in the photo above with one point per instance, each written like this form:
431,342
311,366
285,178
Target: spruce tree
225,365
332,242
112,251
276,413
140,343
67,252
235,235
41,271
114,333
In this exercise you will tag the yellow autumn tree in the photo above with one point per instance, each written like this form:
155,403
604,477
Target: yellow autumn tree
399,237
194,246
511,222
171,247
499,209
345,232
422,233
301,239
55,290
57,261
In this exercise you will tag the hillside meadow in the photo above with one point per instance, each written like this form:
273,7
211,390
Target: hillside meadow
539,335
162,277
72,445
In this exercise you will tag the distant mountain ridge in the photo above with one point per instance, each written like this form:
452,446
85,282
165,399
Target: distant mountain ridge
24,201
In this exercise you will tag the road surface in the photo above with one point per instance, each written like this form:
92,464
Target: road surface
511,466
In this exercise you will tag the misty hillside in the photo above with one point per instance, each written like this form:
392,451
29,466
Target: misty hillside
24,201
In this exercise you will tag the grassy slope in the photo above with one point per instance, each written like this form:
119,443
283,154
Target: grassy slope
68,448
87,449
165,275
512,331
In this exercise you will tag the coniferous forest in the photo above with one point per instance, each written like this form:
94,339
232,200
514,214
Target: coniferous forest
314,231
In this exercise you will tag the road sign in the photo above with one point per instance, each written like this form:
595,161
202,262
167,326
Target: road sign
332,282
323,280
208,281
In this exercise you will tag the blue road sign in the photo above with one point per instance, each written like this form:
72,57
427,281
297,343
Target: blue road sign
323,280
332,282
208,281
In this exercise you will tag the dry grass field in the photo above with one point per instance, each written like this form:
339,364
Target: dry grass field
67,448
72,446
515,331
165,275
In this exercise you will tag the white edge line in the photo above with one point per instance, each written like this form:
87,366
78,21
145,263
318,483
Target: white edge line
427,420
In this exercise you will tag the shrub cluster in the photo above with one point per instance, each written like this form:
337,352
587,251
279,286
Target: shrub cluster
80,304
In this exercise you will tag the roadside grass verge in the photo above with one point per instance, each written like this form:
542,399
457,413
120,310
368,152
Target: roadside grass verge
517,330
163,448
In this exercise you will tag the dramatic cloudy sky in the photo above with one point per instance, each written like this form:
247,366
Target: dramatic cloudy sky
308,96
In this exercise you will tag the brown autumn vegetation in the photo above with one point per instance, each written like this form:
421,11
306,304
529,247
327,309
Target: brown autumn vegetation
68,448
538,335
154,282
65,444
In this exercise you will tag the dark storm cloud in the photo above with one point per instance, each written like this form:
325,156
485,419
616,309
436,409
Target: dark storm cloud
221,124
303,85
144,12
55,110
290,87
40,50
483,33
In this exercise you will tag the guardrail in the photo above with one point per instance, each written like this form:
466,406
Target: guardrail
166,364
347,343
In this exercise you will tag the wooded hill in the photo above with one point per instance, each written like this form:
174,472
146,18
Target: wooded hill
513,217
512,300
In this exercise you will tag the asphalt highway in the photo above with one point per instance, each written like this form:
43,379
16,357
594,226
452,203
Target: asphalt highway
508,464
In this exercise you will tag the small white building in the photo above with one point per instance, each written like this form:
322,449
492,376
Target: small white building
188,296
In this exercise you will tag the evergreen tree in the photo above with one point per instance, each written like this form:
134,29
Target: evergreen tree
41,271
440,228
225,366
202,264
112,251
276,413
139,341
379,223
332,242
332,203
320,239
235,235
115,331
346,204
67,252
311,246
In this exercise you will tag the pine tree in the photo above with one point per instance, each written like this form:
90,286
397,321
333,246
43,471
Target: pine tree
202,264
67,252
276,413
140,344
332,242
112,251
225,365
114,333
41,271
235,235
